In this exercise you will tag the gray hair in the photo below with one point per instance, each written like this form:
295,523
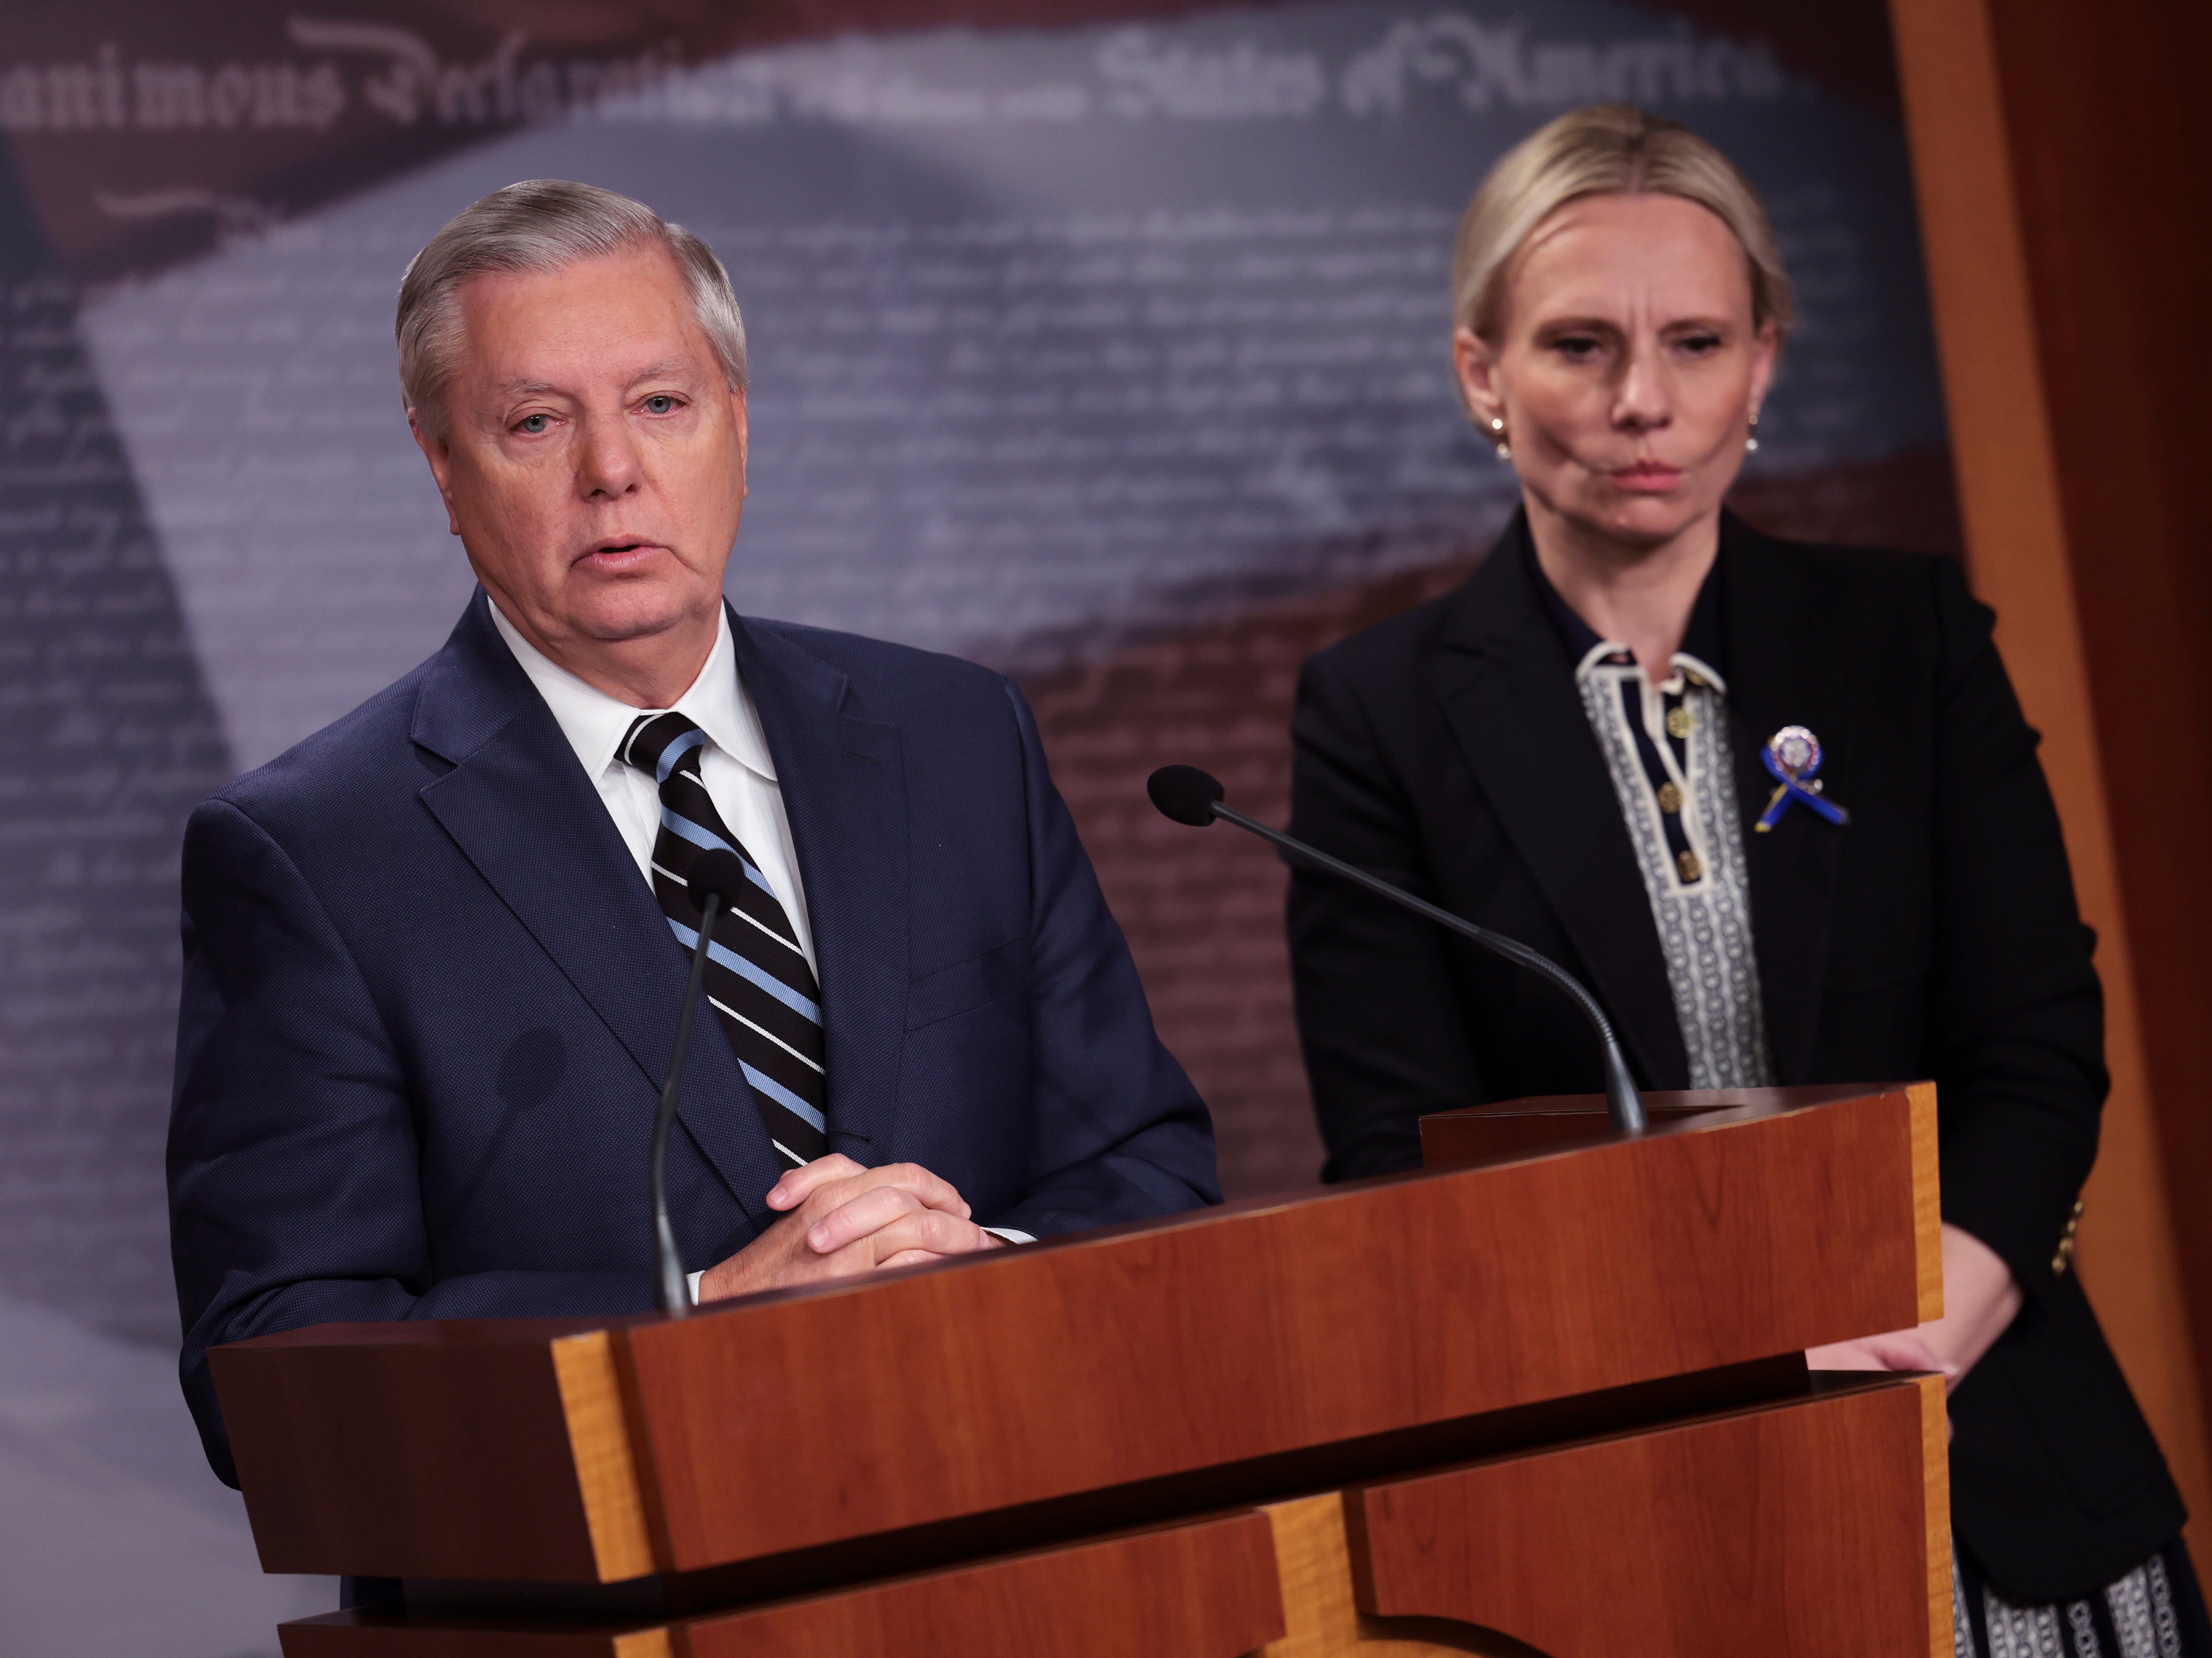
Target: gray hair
1605,149
542,225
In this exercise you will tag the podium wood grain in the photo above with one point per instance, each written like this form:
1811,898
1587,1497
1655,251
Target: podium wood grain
1815,1527
1485,1133
1206,1589
1322,1617
1211,1341
1237,1335
453,1441
1819,1530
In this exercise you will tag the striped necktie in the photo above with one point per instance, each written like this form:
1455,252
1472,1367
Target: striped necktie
757,977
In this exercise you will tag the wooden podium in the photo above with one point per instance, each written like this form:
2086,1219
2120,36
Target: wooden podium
1545,1394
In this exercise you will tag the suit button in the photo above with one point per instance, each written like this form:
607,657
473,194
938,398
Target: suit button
2064,1257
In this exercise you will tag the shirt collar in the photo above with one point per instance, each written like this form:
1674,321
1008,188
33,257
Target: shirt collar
1704,645
595,723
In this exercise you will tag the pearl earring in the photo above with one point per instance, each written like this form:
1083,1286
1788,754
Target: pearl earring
1751,440
1498,430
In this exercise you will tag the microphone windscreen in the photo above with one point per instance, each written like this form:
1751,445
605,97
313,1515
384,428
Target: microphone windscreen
1184,794
722,873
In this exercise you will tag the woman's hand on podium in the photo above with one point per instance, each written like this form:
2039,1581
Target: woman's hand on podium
842,1220
1980,1301
1980,1298
1898,1350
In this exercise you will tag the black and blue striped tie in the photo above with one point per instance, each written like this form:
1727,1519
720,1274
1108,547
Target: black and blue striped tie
757,977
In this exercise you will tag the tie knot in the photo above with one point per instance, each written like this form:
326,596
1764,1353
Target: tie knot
659,743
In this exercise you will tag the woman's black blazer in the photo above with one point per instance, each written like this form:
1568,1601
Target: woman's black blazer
1934,936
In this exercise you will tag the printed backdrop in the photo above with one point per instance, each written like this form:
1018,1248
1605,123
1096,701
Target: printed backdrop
1103,343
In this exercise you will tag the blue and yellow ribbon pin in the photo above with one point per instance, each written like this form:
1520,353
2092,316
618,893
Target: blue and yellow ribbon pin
1792,756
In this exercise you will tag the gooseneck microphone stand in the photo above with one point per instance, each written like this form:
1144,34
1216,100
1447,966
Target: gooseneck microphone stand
1190,796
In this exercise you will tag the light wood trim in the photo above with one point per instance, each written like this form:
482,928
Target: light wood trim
1935,1460
2008,498
599,1438
1927,1198
1312,1558
646,1643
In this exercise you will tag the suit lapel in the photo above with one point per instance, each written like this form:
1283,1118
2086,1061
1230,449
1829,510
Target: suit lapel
844,793
1509,693
1789,665
520,809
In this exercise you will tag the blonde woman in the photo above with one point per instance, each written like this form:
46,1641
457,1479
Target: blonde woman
1775,803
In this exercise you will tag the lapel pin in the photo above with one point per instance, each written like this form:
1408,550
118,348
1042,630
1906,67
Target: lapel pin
1792,756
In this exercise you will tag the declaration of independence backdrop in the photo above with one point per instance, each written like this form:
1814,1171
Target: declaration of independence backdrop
1103,342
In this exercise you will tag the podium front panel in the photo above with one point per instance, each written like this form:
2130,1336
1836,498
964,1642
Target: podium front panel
1148,1370
1819,1528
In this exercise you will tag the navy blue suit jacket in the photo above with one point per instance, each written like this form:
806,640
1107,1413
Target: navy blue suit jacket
429,1001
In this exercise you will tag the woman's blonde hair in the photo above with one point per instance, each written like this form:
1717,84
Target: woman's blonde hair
1605,149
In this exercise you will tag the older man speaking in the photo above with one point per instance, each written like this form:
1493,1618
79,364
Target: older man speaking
433,956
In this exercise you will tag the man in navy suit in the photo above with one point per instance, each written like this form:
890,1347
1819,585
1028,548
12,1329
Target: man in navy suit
434,954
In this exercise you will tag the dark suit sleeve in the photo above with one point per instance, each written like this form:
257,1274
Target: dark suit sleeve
294,1194
2019,1025
1385,1038
1118,1131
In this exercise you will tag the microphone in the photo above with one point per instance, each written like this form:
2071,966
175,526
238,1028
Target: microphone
1190,796
716,880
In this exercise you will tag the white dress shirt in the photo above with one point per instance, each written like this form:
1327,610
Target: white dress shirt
739,777
733,762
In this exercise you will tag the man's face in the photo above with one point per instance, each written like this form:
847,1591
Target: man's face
594,460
